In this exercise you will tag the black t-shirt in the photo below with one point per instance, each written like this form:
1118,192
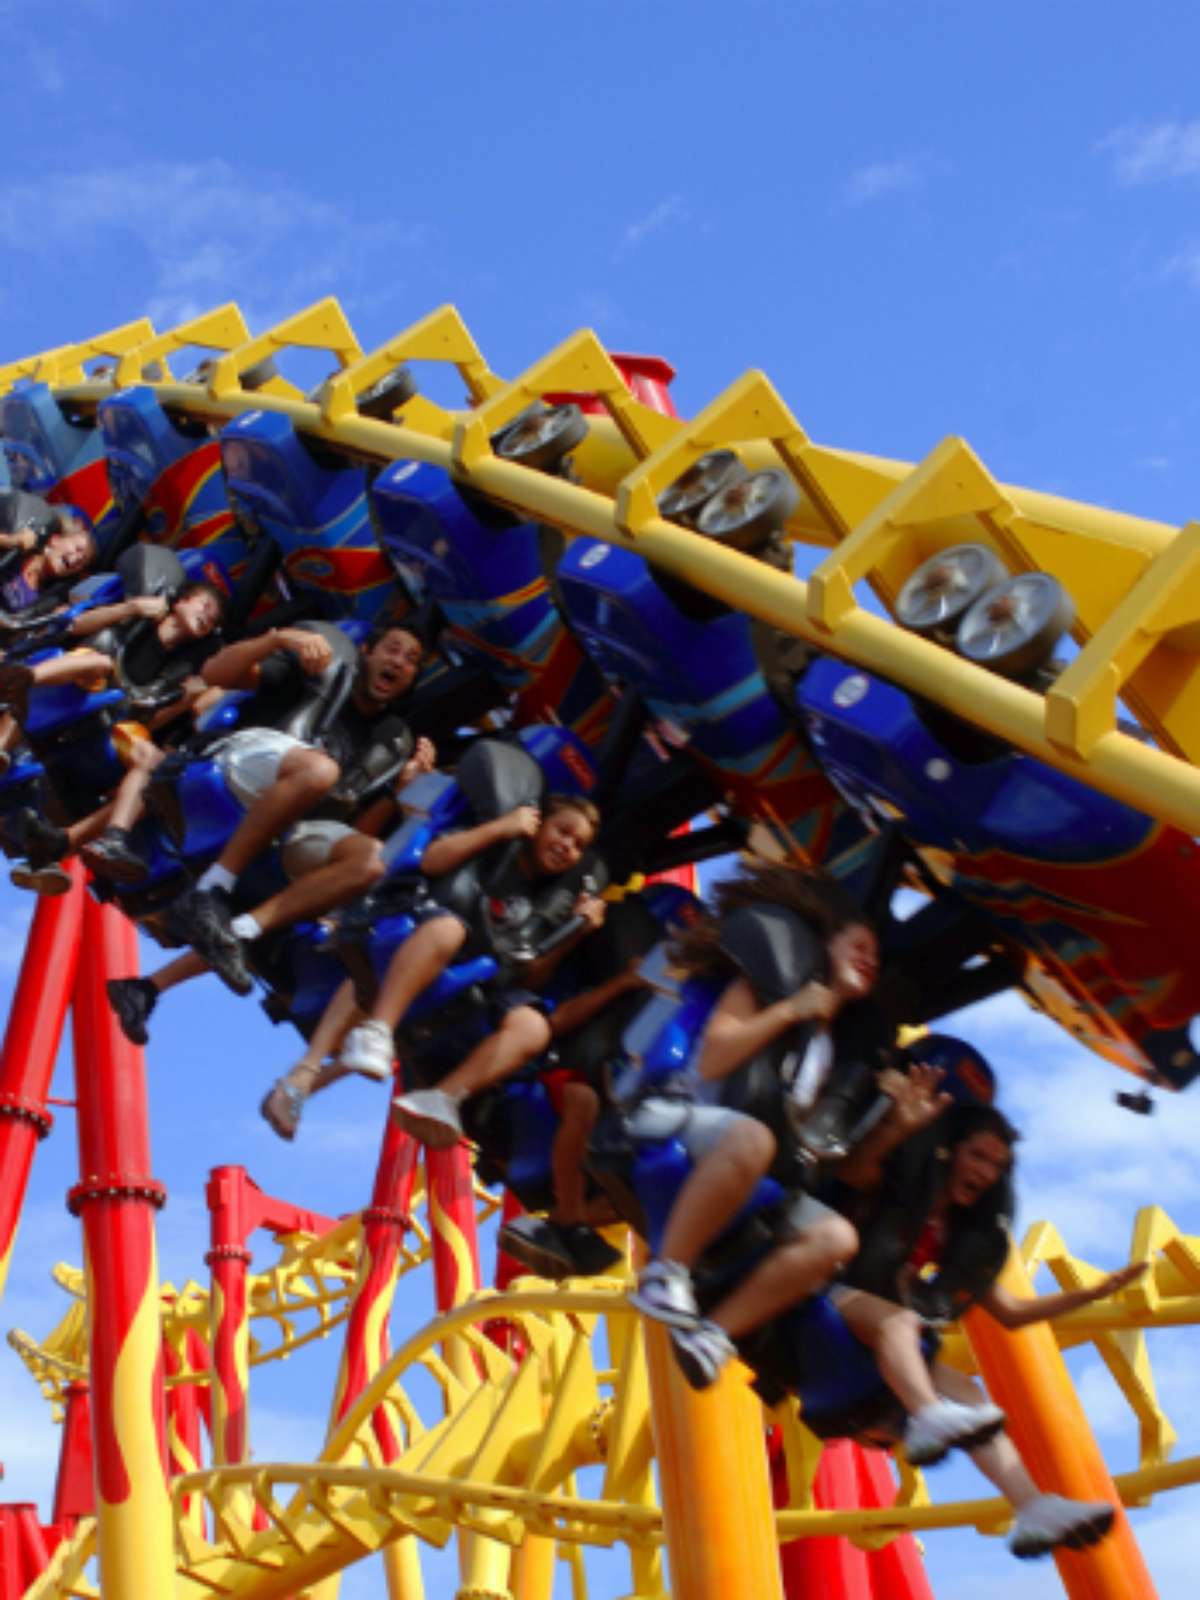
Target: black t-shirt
281,683
347,737
146,662
509,912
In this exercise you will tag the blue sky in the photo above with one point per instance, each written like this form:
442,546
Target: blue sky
919,219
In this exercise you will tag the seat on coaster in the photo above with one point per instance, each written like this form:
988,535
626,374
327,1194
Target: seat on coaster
170,470
692,660
50,454
493,777
489,574
515,1125
312,504
810,1352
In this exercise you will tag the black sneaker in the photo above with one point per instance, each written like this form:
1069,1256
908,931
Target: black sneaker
539,1245
112,857
132,999
590,1252
44,843
204,915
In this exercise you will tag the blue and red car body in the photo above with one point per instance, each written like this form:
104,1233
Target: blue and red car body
1097,902
174,476
59,459
317,515
706,693
489,581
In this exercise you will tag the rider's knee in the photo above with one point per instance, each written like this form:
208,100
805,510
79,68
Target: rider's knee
837,1240
312,768
753,1143
527,1029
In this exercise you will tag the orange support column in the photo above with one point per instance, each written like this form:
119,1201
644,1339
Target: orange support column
1027,1376
31,1040
714,1480
116,1199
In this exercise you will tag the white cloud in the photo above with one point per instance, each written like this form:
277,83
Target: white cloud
879,178
1154,153
208,232
665,213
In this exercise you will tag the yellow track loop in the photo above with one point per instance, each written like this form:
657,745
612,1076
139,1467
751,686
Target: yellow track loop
500,1455
302,1297
1132,580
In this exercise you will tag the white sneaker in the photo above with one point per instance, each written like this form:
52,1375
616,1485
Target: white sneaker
368,1049
1048,1521
431,1116
664,1293
947,1426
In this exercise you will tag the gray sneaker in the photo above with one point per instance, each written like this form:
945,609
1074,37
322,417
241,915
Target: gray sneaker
701,1352
1049,1521
947,1425
430,1116
664,1294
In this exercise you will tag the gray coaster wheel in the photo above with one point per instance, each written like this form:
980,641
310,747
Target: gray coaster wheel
713,472
936,596
387,395
745,514
541,436
1014,627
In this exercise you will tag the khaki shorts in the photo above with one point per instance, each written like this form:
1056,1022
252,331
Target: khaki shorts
310,844
249,760
698,1128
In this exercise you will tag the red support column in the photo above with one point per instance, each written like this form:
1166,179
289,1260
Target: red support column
229,1259
455,1242
74,1488
183,1432
24,1550
31,1040
368,1345
484,1563
385,1220
116,1199
849,1477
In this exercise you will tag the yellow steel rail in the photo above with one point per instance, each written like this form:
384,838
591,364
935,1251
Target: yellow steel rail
302,1297
1134,581
502,1457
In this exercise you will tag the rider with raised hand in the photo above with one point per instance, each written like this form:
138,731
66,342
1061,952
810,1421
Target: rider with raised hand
934,1238
288,785
154,649
171,650
520,905
43,564
777,1053
281,779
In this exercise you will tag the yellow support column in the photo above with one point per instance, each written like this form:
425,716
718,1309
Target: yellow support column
532,1574
716,1491
1027,1376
